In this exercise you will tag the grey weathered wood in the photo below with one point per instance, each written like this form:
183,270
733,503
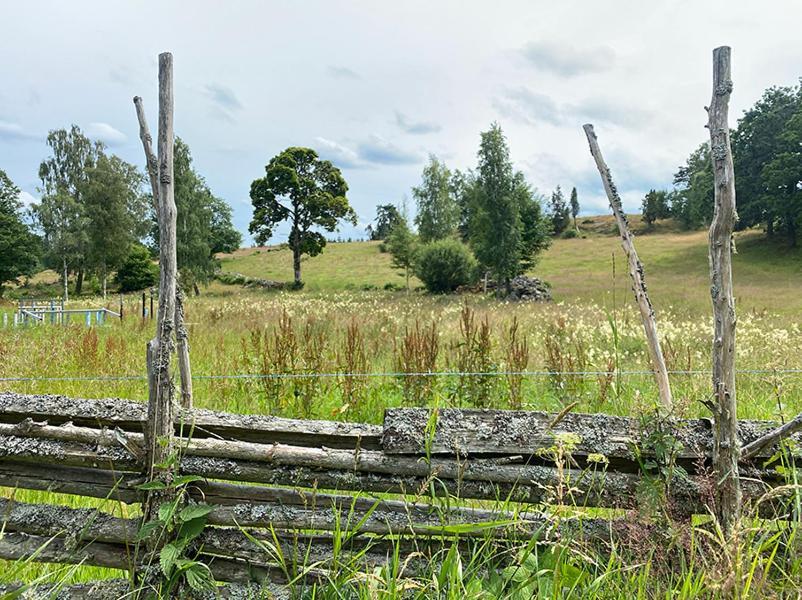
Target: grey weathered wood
635,273
182,339
726,448
477,432
130,416
81,481
770,439
159,430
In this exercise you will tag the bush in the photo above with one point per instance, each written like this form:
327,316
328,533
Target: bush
445,265
570,234
138,271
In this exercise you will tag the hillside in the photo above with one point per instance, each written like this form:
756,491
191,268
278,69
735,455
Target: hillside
768,276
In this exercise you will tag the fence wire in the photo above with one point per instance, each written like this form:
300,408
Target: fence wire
400,374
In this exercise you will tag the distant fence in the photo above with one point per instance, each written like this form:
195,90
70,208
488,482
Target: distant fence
264,479
37,311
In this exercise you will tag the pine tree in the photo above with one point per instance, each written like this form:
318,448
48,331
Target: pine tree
402,244
559,212
574,207
18,246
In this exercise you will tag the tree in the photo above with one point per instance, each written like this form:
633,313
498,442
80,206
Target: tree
559,212
691,202
654,207
464,189
437,212
61,214
308,192
18,246
115,212
387,216
496,226
574,207
138,271
402,245
203,222
534,226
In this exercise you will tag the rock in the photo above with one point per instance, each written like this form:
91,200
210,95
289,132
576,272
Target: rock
529,288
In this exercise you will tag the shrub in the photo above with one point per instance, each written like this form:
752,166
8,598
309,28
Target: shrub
138,271
570,234
445,265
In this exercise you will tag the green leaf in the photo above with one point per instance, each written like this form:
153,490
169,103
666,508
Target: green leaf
168,556
194,511
185,479
147,529
191,529
152,485
166,511
199,577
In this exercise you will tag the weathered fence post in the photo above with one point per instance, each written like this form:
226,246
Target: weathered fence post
726,449
182,338
160,399
635,272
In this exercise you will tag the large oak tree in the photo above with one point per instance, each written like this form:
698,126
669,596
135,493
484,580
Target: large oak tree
308,192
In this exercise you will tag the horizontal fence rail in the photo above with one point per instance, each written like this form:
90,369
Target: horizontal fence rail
446,476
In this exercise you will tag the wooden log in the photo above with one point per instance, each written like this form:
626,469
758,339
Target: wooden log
727,445
636,274
182,339
160,422
477,432
81,481
115,589
130,416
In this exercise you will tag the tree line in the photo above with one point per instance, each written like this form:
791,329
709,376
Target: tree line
767,155
95,218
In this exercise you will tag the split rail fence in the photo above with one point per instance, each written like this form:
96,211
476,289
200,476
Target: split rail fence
298,484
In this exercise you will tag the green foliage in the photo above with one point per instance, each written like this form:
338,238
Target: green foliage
574,205
402,245
203,222
691,201
655,206
19,248
438,213
559,212
138,271
445,265
308,192
506,225
387,216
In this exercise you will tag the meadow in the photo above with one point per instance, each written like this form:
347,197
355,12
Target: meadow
345,348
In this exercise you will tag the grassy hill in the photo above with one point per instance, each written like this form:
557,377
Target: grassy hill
768,275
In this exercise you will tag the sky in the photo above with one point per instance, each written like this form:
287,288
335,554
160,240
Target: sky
376,87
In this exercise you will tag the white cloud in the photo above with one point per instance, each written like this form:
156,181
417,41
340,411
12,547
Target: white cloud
27,199
15,131
103,132
566,60
338,154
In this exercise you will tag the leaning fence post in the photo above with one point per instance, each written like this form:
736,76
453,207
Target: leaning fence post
726,447
635,272
160,421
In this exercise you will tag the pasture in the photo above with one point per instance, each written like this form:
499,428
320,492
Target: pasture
346,349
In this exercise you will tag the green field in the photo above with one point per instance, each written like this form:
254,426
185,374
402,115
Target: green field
345,322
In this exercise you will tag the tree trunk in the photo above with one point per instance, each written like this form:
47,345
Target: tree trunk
159,428
296,263
79,282
182,339
195,288
635,272
66,284
726,448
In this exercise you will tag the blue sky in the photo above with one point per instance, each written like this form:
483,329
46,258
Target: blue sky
377,86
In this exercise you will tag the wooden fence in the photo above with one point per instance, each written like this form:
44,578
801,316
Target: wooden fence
292,483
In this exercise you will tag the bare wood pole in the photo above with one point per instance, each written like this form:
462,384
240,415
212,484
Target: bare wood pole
726,448
160,401
635,272
182,338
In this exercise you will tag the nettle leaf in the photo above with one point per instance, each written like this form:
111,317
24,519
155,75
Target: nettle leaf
194,511
199,577
152,485
185,479
191,529
147,529
167,558
166,511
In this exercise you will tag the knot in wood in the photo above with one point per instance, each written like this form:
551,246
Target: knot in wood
165,177
718,151
724,88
